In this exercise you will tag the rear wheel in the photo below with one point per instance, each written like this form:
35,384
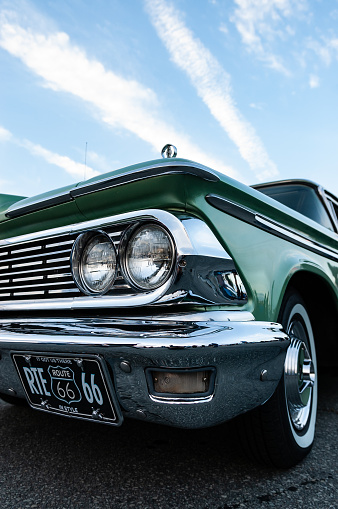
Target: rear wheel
281,432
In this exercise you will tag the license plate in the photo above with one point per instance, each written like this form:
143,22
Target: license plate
72,386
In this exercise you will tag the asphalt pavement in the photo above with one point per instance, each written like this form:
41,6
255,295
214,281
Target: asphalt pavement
53,462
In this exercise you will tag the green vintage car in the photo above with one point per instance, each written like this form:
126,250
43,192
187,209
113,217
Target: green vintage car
169,292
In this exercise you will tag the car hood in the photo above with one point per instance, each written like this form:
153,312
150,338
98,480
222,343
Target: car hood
18,206
176,185
116,192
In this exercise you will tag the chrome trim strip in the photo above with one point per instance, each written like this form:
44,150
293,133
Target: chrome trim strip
84,302
180,401
298,239
198,316
329,211
58,199
139,333
180,168
203,240
147,214
269,225
154,170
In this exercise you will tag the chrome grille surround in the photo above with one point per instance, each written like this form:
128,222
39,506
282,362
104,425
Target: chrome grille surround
41,269
46,255
203,272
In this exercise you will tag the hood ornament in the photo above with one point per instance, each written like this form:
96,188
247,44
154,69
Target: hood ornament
168,151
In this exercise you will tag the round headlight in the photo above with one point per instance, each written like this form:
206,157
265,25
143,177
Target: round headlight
94,262
148,257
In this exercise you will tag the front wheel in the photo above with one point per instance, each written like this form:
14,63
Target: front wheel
281,432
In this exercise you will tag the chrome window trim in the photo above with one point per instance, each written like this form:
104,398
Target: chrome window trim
332,202
322,195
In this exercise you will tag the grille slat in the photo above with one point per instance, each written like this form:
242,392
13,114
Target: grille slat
38,286
60,244
28,270
40,269
74,291
45,254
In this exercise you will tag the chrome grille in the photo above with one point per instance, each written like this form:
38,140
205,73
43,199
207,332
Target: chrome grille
41,269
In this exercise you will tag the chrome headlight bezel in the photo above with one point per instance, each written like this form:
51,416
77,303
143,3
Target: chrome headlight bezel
127,238
80,246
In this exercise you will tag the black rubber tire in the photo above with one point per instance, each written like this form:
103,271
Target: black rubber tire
267,432
13,400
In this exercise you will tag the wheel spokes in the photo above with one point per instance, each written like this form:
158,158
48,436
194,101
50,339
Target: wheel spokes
299,381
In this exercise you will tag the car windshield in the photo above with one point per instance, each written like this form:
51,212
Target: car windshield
301,198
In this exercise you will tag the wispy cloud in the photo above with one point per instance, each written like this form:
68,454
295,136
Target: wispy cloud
326,48
120,102
314,81
224,29
211,82
100,162
5,135
260,22
73,168
256,106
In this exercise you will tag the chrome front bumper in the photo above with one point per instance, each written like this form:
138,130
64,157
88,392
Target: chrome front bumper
246,356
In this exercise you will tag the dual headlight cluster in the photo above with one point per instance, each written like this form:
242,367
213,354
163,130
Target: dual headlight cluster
146,259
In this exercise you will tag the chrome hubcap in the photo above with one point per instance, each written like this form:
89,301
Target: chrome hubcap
299,381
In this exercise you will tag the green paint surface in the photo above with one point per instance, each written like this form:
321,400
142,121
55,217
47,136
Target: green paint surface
265,262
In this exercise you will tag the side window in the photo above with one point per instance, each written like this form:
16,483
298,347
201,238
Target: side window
301,198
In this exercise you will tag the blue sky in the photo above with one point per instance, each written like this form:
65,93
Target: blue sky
248,87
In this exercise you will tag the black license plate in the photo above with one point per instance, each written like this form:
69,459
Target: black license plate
73,386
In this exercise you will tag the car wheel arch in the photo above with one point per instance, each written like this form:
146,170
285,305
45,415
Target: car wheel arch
322,305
